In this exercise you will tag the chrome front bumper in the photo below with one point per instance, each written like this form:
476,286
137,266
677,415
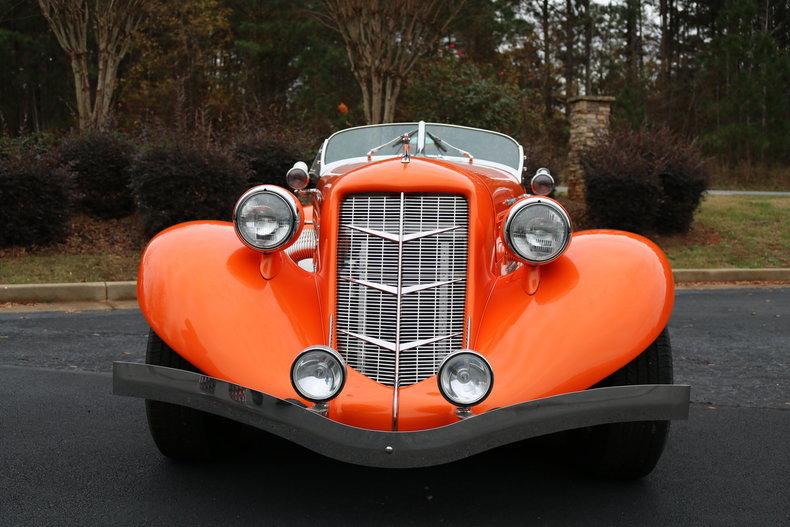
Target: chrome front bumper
401,449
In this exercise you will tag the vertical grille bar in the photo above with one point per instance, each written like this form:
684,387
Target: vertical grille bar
401,284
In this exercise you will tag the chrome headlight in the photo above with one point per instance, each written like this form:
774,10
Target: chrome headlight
465,378
537,230
318,374
267,218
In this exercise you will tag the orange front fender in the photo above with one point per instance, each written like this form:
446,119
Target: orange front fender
596,308
201,290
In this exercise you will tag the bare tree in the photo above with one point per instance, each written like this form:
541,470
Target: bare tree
384,40
545,22
588,38
569,55
114,23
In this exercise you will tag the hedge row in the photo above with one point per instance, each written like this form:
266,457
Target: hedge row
644,181
104,175
35,197
177,183
100,163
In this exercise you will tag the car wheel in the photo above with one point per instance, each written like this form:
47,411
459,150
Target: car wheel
182,433
627,450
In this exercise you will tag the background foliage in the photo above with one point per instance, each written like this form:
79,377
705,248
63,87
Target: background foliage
100,162
35,193
645,181
713,71
175,181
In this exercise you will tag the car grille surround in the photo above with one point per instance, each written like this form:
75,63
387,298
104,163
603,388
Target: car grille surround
401,283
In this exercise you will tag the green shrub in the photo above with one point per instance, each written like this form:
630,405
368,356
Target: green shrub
100,162
173,183
34,193
643,181
267,159
33,144
684,178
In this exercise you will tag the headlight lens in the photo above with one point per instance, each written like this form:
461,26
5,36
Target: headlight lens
465,378
537,230
318,374
266,218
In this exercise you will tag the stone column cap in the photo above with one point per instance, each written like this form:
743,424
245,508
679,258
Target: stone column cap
592,98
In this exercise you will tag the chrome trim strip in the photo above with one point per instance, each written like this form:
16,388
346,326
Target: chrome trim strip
400,238
331,329
372,340
398,313
418,235
417,343
378,234
379,287
405,291
396,347
423,287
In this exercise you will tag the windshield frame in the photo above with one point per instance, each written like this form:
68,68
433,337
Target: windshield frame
514,172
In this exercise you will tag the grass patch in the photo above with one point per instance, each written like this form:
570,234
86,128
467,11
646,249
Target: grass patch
734,231
32,269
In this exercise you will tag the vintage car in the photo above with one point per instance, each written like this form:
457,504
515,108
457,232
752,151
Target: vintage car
413,301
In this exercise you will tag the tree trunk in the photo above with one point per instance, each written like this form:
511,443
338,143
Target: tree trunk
115,23
384,42
393,90
631,37
588,36
547,99
569,62
376,99
82,90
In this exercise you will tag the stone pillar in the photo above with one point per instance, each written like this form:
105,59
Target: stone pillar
589,121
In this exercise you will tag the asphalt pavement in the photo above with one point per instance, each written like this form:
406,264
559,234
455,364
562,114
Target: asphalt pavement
73,454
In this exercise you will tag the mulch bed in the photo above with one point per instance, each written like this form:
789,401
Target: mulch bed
90,236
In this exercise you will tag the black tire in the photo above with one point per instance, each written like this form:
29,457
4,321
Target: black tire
628,450
182,433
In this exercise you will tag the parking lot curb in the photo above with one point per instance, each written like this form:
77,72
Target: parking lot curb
732,275
69,292
124,291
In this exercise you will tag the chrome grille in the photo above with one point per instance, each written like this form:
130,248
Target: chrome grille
305,245
401,285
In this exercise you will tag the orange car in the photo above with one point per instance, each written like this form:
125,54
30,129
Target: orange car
423,306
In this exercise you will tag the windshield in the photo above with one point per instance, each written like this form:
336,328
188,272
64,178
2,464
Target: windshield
440,141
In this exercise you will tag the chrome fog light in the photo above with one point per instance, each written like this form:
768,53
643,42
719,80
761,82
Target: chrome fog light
267,218
318,374
537,230
465,378
298,176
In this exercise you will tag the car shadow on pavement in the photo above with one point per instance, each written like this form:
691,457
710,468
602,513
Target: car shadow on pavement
530,479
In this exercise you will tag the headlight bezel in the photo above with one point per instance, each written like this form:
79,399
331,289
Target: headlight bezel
335,355
444,364
290,201
520,207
